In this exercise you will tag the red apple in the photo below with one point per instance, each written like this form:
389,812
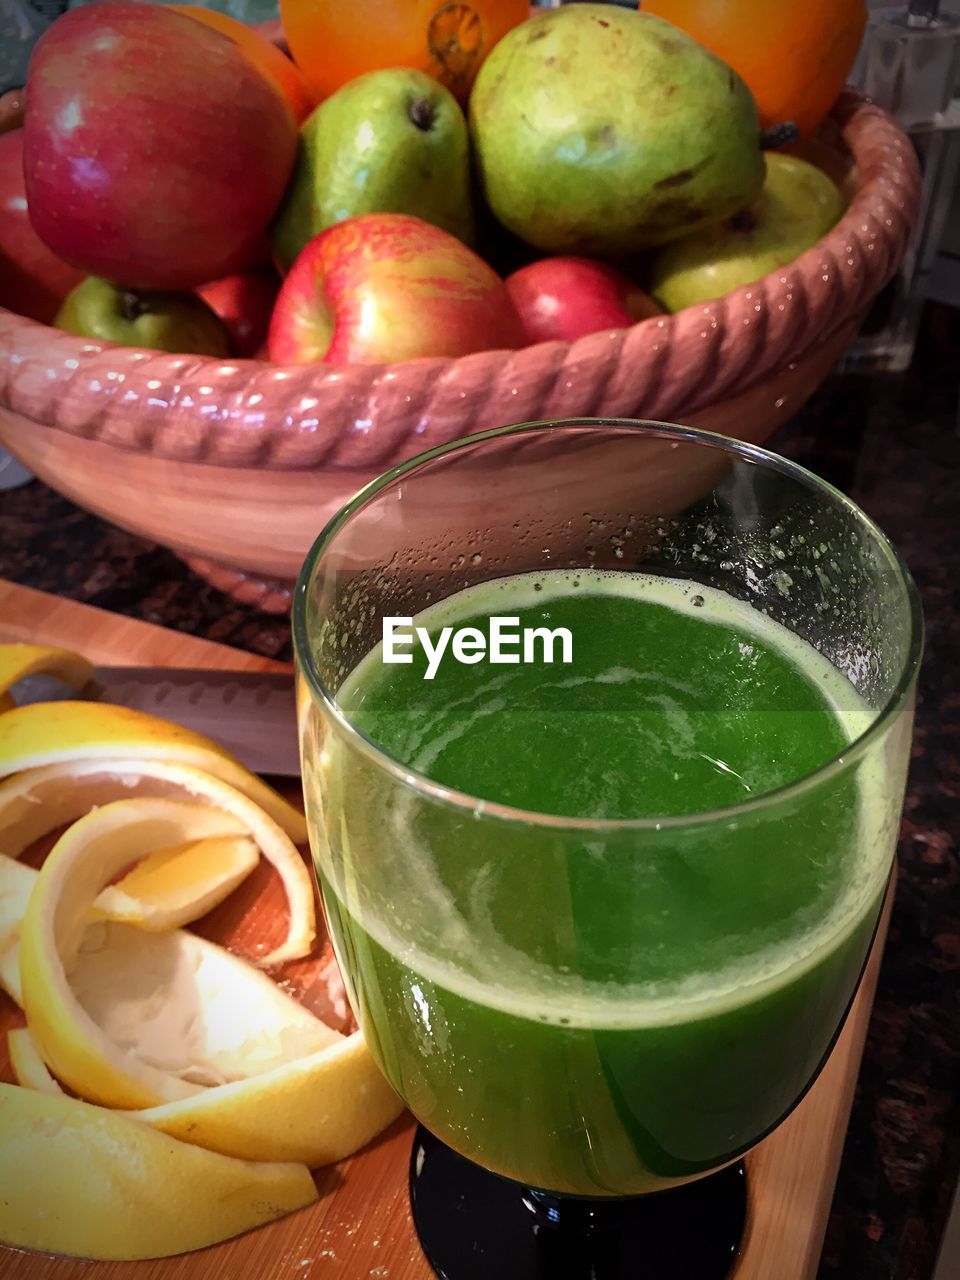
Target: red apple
33,281
387,287
155,152
244,302
565,298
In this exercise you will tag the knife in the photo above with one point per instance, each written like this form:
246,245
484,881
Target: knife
250,713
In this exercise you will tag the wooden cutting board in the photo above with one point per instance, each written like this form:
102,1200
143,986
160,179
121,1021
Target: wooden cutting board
360,1228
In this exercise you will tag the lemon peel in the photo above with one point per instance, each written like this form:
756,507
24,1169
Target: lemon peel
153,1041
10,970
188,1007
39,800
83,1181
316,1110
52,732
18,661
16,886
317,1105
29,1068
175,886
169,888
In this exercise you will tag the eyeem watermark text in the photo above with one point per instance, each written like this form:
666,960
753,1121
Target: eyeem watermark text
505,643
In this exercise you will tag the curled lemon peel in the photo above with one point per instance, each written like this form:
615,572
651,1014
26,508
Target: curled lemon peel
45,733
57,940
37,801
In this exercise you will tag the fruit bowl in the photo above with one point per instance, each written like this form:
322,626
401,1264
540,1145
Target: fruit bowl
236,465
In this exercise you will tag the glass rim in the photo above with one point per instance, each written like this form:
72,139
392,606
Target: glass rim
455,798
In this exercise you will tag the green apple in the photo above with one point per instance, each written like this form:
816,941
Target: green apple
392,141
797,205
142,318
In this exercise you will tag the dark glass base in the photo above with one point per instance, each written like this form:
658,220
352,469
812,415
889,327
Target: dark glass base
474,1225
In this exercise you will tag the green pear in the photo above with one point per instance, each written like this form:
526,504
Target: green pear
797,205
179,322
391,141
600,130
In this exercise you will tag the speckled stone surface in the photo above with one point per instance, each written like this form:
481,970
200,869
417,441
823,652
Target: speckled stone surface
893,443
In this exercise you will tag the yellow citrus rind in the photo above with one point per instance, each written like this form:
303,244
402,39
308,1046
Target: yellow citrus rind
46,733
315,1111
39,800
176,886
18,661
29,1068
83,1181
57,940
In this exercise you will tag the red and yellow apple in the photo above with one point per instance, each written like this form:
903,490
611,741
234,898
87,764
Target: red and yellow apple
155,152
33,281
244,302
383,287
565,298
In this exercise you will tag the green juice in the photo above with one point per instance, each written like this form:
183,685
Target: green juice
601,1009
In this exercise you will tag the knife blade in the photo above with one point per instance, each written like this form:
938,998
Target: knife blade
250,713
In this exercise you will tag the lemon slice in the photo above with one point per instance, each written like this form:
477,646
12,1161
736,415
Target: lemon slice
320,1109
37,801
80,1180
29,1068
133,1019
53,732
174,886
17,661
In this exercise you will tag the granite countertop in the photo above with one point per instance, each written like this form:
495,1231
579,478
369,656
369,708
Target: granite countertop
892,441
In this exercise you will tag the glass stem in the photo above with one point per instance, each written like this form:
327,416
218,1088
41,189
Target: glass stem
578,1239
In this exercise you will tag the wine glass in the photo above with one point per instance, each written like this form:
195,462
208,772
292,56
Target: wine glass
596,1000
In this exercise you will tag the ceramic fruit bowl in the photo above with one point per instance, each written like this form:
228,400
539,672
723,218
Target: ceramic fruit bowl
236,465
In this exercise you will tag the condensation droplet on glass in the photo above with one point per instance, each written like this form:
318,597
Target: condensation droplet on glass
476,558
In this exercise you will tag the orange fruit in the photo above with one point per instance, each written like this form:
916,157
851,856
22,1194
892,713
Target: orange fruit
266,57
795,55
333,42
